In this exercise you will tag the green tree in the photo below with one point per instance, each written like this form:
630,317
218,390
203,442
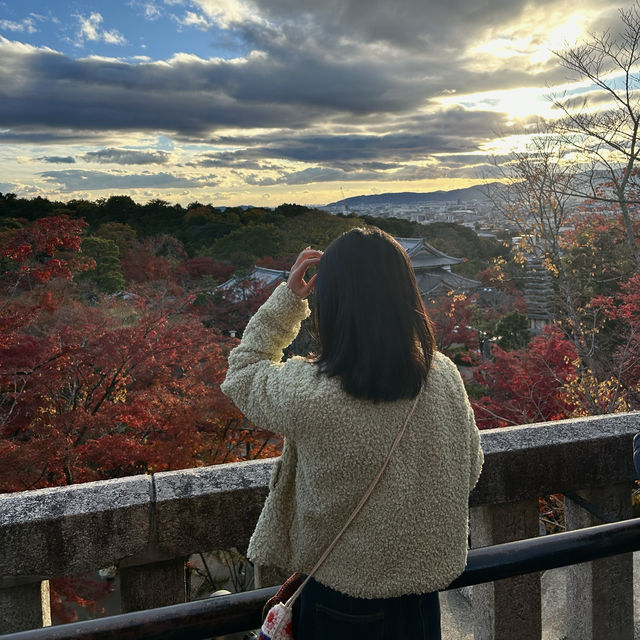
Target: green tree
119,209
122,234
291,210
255,240
107,274
313,228
513,331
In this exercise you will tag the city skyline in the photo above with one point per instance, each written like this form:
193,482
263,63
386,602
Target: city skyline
237,102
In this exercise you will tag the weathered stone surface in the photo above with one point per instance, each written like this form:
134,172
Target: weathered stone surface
147,526
506,609
21,608
556,457
211,507
70,530
600,593
153,585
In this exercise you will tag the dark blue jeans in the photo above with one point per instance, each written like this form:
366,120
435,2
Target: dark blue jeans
322,613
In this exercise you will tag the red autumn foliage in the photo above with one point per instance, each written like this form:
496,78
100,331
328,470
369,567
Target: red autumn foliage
152,259
88,397
452,319
527,385
93,392
68,593
231,308
193,271
44,249
623,309
500,293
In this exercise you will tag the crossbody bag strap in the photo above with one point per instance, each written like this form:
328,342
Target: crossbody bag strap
361,504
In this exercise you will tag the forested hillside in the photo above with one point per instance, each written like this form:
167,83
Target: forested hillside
238,235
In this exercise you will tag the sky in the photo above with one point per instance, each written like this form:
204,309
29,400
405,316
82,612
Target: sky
262,102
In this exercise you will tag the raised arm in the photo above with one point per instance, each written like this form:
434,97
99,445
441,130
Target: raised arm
266,390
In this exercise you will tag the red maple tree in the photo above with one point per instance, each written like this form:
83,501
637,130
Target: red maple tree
100,387
97,391
452,319
527,385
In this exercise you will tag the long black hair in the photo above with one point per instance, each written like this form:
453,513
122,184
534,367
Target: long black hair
372,326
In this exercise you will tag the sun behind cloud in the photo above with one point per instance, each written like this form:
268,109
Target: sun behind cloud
294,99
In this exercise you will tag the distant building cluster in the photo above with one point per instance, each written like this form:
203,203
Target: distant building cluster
475,214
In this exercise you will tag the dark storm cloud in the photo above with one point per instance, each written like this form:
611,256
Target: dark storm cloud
431,28
76,180
233,159
461,160
350,86
404,23
385,173
58,159
429,42
449,131
392,147
237,160
126,156
43,135
295,81
445,140
189,94
312,174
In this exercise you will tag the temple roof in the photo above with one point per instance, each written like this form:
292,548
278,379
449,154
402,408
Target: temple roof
429,265
267,277
425,256
438,280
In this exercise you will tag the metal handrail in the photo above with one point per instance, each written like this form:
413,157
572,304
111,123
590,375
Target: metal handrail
239,612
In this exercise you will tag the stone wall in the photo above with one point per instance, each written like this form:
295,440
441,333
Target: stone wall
148,525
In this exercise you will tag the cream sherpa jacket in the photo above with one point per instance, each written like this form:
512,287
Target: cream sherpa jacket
411,535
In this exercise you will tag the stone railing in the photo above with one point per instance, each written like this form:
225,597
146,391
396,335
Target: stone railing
149,525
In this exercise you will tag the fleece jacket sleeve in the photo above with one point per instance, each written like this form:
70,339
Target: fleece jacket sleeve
265,389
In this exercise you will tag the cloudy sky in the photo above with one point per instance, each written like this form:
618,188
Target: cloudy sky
269,101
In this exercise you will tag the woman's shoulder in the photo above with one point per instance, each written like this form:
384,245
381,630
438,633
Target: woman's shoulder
444,374
305,374
442,364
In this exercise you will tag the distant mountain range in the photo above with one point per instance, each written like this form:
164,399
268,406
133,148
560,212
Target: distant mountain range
476,192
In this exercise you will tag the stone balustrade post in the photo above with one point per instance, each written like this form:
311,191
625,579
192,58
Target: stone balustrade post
24,605
65,531
600,593
511,608
152,584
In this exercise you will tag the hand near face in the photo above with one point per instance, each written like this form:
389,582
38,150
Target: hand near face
296,281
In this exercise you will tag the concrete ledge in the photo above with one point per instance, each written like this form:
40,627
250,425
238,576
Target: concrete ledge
210,507
70,530
556,457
